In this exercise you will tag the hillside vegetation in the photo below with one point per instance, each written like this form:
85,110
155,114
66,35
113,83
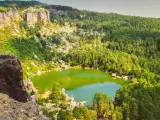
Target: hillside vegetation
125,45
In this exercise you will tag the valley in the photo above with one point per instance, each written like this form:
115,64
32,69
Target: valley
109,60
77,81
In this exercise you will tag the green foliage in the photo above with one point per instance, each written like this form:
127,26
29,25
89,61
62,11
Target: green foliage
23,24
56,40
42,100
79,112
118,112
83,113
64,115
56,94
34,30
139,102
3,9
101,103
97,55
25,47
32,93
28,47
49,114
63,105
19,4
91,115
158,44
5,34
126,45
135,36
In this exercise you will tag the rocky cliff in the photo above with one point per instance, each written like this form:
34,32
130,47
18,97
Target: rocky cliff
14,99
8,16
11,78
32,16
11,109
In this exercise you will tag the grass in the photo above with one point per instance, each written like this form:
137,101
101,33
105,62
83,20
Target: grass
73,78
25,49
3,9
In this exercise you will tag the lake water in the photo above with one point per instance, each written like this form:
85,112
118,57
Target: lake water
86,93
81,83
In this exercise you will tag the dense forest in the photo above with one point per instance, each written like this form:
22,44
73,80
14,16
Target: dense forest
125,45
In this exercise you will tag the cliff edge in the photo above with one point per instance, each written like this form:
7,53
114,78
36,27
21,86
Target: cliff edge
14,99
11,78
35,15
7,17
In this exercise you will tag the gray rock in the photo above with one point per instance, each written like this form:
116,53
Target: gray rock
11,109
11,78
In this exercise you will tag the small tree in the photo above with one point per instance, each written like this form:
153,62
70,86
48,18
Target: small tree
101,104
92,115
56,94
56,40
79,112
64,115
84,114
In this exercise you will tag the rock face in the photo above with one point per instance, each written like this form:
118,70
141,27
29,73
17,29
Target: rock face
14,110
32,16
11,78
8,17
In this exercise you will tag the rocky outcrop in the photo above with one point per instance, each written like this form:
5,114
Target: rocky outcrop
14,110
32,16
11,78
8,16
14,103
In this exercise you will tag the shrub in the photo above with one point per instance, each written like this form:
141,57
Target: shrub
64,115
42,100
3,9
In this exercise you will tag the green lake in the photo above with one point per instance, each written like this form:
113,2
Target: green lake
86,93
82,84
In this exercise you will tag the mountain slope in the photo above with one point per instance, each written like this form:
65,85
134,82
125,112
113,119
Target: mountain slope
125,45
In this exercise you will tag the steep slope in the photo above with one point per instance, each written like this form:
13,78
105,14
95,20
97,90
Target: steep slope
14,102
119,33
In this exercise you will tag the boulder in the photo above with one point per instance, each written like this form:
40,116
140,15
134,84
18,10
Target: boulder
11,78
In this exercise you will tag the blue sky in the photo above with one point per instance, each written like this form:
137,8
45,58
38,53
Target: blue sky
147,8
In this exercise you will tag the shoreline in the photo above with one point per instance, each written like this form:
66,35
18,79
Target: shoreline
30,87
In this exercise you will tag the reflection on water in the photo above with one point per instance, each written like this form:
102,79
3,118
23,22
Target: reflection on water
86,93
